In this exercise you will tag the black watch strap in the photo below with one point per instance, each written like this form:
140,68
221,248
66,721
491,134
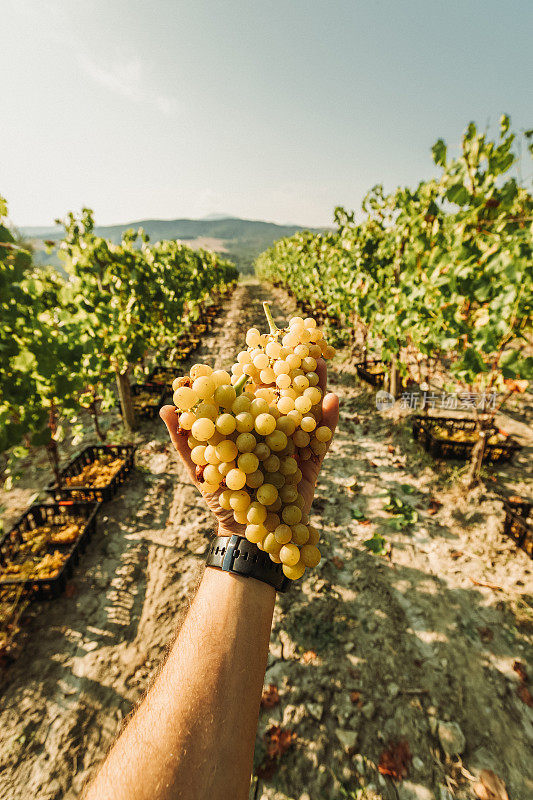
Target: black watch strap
236,554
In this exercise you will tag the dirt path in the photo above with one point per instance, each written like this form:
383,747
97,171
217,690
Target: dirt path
425,648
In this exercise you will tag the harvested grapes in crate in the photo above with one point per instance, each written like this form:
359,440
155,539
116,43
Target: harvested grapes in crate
251,430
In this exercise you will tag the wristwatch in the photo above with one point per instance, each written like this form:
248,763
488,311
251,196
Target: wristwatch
236,554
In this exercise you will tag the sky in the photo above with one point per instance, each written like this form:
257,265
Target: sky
264,109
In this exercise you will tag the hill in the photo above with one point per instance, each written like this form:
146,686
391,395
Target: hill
240,239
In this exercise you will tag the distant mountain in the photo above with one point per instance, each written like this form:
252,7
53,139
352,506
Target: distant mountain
241,240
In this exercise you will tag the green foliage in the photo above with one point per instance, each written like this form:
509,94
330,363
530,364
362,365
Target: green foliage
445,268
62,338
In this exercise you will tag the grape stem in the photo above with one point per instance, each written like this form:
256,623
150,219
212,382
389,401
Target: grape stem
274,330
241,383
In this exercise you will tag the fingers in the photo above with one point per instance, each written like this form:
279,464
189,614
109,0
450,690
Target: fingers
330,416
170,417
322,372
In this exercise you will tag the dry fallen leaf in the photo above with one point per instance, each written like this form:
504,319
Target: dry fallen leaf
390,448
525,695
309,656
520,671
337,562
434,506
456,554
355,697
270,696
486,634
70,589
395,760
277,741
490,786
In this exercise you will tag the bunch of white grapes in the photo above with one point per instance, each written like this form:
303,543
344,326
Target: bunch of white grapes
249,432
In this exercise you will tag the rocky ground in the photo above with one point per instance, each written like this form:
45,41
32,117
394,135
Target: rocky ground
405,660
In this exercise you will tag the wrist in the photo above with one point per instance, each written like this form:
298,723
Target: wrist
222,530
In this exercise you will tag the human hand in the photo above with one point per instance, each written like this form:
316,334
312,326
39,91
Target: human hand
310,469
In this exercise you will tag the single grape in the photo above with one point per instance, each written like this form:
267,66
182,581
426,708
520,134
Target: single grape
283,534
289,554
226,450
329,352
253,337
186,420
313,378
246,442
212,475
236,372
283,381
261,361
271,545
241,404
203,429
309,322
296,322
224,499
271,464
293,360
262,451
244,357
302,350
290,392
197,370
305,453
314,350
185,397
294,572
323,434
209,488
215,438
265,424
300,382
221,377
308,424
240,516
287,425
314,394
255,479
204,386
272,521
225,424
255,533
290,514
288,465
248,462
285,404
257,513
303,404
276,441
288,493
267,375
235,479
198,456
301,438
192,442
281,368
276,506
239,501
266,394
310,555
267,494
320,448
244,422
273,349
225,396
205,410
300,534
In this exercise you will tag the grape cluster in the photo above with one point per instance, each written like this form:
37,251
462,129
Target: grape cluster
249,432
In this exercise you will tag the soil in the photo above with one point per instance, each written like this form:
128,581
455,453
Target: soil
414,650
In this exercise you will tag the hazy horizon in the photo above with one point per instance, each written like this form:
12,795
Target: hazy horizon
278,113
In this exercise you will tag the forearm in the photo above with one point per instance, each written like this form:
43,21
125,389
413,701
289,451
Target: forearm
193,736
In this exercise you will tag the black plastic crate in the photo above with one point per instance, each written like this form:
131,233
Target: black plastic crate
517,528
439,447
157,396
373,378
87,456
53,514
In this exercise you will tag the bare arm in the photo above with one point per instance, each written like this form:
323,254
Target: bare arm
193,736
